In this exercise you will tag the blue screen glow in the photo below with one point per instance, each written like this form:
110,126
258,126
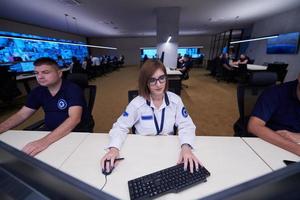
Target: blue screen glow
284,44
16,50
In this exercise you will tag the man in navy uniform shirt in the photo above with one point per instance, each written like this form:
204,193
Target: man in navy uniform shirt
62,101
276,116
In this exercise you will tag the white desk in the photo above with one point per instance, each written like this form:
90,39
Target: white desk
173,72
270,153
252,67
229,160
55,154
27,76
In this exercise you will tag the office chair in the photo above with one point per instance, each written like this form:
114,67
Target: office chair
8,88
280,69
242,73
89,92
131,95
251,61
247,94
185,76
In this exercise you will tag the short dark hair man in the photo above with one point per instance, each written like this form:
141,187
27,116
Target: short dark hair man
276,116
62,101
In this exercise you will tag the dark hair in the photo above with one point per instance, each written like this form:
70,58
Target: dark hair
45,61
146,72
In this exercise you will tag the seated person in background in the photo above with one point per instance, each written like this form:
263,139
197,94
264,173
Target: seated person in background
228,69
243,59
225,62
179,60
95,61
75,66
154,105
276,116
62,101
121,60
185,67
145,58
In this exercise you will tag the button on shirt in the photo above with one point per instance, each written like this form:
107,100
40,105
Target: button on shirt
140,113
279,107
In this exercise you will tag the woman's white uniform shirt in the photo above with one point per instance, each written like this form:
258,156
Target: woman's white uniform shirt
142,113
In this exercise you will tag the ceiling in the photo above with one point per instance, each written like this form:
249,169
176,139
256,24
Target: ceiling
117,18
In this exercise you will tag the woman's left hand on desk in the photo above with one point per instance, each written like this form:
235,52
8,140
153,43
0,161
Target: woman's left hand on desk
188,158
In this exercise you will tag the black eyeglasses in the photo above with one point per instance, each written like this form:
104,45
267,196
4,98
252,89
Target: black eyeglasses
162,79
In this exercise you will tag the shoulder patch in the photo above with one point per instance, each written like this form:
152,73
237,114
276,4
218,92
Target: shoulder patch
184,112
125,114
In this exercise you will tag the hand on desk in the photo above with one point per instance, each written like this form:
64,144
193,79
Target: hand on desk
111,155
35,147
188,158
294,137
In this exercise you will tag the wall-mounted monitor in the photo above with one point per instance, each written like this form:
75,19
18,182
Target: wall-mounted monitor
284,44
26,47
150,52
193,52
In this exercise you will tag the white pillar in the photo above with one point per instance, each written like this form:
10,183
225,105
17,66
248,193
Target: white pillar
167,24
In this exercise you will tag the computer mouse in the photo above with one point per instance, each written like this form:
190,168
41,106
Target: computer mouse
111,168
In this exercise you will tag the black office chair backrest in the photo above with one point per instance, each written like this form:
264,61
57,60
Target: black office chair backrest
8,86
247,95
132,94
251,61
280,69
79,78
90,95
89,92
242,73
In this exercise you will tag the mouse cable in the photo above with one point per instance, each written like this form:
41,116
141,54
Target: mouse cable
104,183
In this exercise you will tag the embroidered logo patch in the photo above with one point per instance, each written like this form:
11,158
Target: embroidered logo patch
184,112
125,114
62,104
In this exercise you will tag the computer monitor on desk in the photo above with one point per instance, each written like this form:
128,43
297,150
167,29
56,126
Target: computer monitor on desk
22,67
283,184
24,177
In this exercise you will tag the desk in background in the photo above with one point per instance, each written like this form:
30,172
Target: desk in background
24,78
174,78
251,67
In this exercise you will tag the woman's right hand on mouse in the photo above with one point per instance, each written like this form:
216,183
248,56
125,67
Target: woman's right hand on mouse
111,155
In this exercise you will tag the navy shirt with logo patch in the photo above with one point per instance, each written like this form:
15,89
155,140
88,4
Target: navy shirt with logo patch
56,107
279,107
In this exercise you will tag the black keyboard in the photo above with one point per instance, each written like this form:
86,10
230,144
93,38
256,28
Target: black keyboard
172,179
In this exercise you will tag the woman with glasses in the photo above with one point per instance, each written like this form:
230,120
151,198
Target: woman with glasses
154,112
